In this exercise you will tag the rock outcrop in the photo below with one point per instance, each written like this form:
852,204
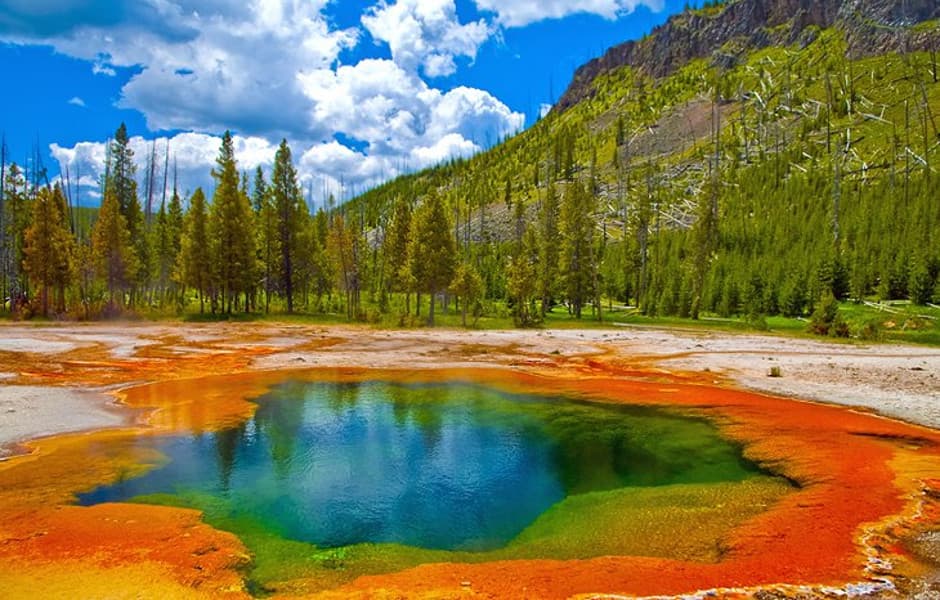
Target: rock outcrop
871,27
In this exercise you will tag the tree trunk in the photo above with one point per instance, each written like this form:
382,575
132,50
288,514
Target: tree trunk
431,311
289,281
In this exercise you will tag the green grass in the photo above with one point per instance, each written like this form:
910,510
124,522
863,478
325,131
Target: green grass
926,26
907,324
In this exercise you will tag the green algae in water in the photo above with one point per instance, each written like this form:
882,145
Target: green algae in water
333,480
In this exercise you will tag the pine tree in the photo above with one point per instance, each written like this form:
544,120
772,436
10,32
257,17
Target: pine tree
68,246
396,250
259,195
231,231
267,244
195,259
522,282
577,247
433,251
309,258
164,261
120,176
548,249
174,228
921,283
291,218
323,273
166,243
468,286
346,249
49,248
114,256
120,179
15,221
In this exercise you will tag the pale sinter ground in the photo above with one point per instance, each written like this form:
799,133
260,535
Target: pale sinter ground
51,378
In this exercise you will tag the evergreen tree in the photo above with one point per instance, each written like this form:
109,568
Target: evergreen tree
259,194
231,232
323,267
164,261
346,247
114,256
522,281
468,287
174,233
309,258
921,282
291,218
68,248
166,244
195,259
548,249
49,249
433,251
15,221
396,250
577,247
267,235
120,179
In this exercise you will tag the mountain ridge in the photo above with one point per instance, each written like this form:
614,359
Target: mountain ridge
872,27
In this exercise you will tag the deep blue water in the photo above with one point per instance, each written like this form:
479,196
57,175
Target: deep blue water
445,466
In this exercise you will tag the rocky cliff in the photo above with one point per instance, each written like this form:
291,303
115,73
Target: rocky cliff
871,26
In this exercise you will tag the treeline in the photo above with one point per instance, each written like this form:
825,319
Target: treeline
771,187
773,246
255,243
250,244
764,184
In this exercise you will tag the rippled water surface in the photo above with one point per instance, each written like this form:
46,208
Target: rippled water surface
452,466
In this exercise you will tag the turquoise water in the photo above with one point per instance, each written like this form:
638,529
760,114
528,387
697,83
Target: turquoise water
452,466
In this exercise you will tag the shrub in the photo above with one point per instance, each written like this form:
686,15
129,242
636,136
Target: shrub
826,319
757,321
871,330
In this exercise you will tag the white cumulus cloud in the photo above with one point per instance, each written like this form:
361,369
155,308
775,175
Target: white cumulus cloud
396,114
519,13
269,69
206,65
426,34
192,157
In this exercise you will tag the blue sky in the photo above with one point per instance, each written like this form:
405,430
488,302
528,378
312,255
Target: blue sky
362,90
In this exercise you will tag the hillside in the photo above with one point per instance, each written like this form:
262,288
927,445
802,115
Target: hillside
871,28
745,158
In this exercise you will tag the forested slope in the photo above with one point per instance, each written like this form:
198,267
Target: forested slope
748,177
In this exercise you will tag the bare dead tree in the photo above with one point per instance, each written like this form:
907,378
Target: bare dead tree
907,152
828,114
78,200
3,225
68,199
166,171
151,176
